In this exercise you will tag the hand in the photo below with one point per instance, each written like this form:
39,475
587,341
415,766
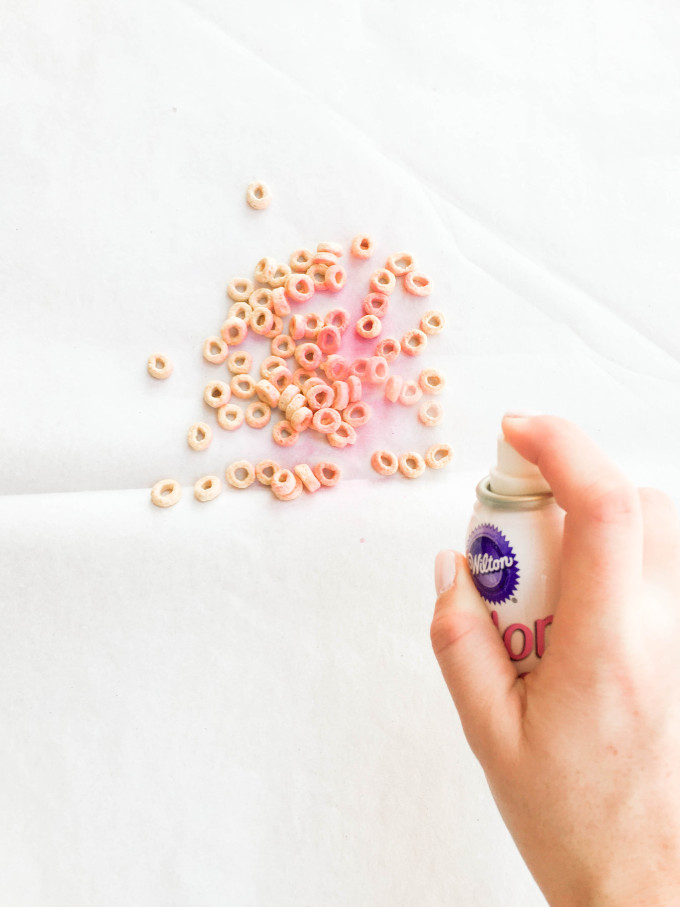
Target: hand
582,755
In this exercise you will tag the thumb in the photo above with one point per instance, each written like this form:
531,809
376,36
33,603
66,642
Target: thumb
478,672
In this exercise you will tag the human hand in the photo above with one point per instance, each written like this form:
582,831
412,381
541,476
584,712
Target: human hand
582,755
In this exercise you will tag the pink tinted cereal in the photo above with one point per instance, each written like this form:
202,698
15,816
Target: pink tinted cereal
335,279
439,455
258,195
280,276
240,474
333,247
368,326
329,339
261,320
283,481
432,322
313,324
431,413
355,388
215,350
300,287
230,417
257,414
234,331
264,270
264,471
260,297
296,326
319,396
318,275
199,436
308,355
327,473
338,318
240,289
283,346
417,284
307,477
301,419
376,370
362,246
159,366
267,393
207,488
301,260
382,281
343,436
281,377
411,465
325,258
400,263
384,462
242,386
302,375
410,393
295,493
340,395
389,349
166,493
294,403
239,363
393,387
240,310
335,367
217,393
326,420
276,328
431,381
376,304
279,302
413,342
287,396
268,365
357,414
284,434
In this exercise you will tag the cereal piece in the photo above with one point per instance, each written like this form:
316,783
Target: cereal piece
300,287
287,396
313,324
230,417
234,331
240,474
400,263
329,339
432,322
393,387
280,276
239,363
215,350
199,436
357,414
376,304
431,413
269,364
335,279
159,366
258,195
312,382
307,477
325,258
301,260
279,303
261,320
343,436
411,465
284,434
439,455
166,493
283,481
301,419
362,246
333,247
335,367
376,370
326,420
383,281
207,488
302,375
264,471
340,395
417,284
239,289
389,349
413,342
338,318
267,393
318,275
240,310
327,473
368,326
257,414
410,393
431,381
264,270
217,393
262,296
281,377
295,493
384,462
283,346
243,386
319,396
296,326
355,388
308,355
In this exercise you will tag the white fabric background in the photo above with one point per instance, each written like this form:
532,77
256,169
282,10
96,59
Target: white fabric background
236,703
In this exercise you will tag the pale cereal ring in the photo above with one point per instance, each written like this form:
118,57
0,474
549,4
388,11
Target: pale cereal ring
269,364
357,414
389,348
432,322
239,289
335,278
413,342
334,247
313,324
258,195
384,462
279,304
281,377
215,350
431,413
335,367
166,493
376,370
382,281
240,310
301,260
264,270
294,403
307,477
276,328
280,276
308,355
296,326
261,320
300,287
362,246
376,304
318,275
301,419
234,331
199,436
340,395
326,420
283,481
239,363
358,367
287,396
439,455
417,284
325,258
264,471
243,386
393,387
343,436
312,382
230,416
337,318
267,393
159,366
368,326
329,339
410,393
284,434
302,375
262,296
327,473
240,474
431,381
320,396
217,393
355,388
257,414
207,488
400,263
411,465
295,493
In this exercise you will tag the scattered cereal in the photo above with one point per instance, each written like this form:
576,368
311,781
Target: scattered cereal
307,477
284,434
383,281
431,381
413,342
417,284
215,350
199,436
258,195
301,260
432,322
400,263
230,416
217,393
159,366
411,465
264,471
362,246
384,462
410,393
207,488
257,414
166,493
234,330
431,413
240,474
239,289
368,326
242,386
439,455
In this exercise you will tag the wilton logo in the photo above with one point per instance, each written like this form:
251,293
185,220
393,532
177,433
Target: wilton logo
493,564
485,563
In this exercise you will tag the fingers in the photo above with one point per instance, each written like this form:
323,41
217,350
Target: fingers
481,678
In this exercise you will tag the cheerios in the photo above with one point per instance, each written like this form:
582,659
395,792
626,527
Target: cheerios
329,339
281,377
376,370
280,276
301,260
327,473
239,289
432,322
288,395
411,465
166,493
296,326
301,419
308,355
215,350
242,386
335,279
431,381
159,366
267,393
343,436
239,363
376,304
410,393
234,331
439,455
279,302
257,414
318,275
284,434
258,195
269,363
431,413
334,247
240,474
389,349
337,318
400,263
217,393
199,436
340,395
384,462
357,414
264,471
291,496
261,320
417,284
302,375
262,296
283,481
326,420
368,326
264,270
240,310
413,342
304,472
319,396
300,287
325,258
393,387
362,246
207,488
230,417
358,367
383,281
355,388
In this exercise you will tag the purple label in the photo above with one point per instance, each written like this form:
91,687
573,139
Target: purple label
493,564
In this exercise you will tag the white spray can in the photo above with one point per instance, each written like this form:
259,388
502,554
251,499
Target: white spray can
514,543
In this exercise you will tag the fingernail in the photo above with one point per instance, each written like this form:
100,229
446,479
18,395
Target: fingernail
521,414
444,571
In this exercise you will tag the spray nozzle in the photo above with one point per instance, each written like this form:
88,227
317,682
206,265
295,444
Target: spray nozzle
513,475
